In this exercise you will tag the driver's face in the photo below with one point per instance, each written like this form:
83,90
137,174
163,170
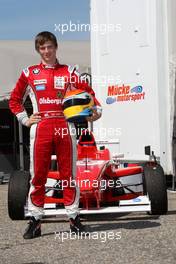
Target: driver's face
47,52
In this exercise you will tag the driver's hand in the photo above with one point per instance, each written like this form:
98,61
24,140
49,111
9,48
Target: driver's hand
95,115
33,119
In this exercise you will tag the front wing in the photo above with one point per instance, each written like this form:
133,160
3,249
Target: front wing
139,204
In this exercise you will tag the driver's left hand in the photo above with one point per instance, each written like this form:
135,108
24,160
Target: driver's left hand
95,115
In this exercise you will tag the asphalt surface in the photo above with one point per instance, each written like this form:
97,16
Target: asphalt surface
128,238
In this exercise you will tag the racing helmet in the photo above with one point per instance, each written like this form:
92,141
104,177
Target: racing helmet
77,105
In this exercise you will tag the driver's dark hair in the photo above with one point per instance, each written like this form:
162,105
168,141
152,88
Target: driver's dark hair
43,37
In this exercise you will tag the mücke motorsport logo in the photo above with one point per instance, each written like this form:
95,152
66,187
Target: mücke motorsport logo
125,93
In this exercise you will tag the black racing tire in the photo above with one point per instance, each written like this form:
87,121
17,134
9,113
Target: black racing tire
156,188
18,189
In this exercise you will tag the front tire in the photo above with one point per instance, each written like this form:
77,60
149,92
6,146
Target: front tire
18,189
155,187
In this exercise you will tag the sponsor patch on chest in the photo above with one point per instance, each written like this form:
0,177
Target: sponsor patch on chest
40,87
42,81
36,71
59,82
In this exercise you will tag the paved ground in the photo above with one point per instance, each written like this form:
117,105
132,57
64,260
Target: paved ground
128,238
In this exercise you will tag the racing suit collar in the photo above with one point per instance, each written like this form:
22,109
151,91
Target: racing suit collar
47,66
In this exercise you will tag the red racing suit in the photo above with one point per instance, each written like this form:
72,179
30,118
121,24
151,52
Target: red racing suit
46,86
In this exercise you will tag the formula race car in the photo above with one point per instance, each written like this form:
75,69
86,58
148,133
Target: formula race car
107,185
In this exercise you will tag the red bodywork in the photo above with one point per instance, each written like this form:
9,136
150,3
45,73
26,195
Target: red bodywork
97,176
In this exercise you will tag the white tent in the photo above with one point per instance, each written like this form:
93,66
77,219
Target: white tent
16,55
137,50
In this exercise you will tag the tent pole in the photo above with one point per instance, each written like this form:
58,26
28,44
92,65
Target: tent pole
21,146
